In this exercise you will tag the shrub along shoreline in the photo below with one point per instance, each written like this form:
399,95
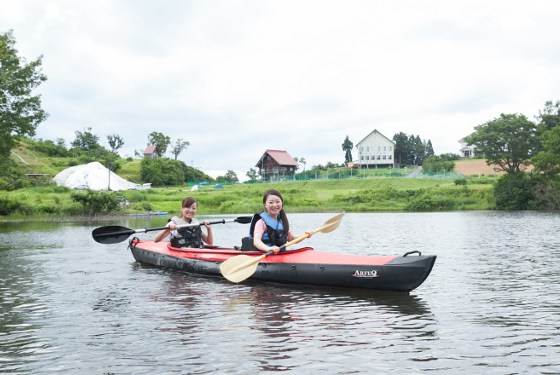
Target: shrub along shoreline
356,195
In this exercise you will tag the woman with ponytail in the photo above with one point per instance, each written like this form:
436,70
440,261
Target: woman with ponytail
272,230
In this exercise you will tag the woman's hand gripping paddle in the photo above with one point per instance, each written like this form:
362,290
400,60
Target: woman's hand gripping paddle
242,267
115,234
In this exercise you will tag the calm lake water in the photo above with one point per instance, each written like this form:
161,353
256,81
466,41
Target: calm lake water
490,306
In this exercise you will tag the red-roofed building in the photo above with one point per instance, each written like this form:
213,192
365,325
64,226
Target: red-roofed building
276,165
151,152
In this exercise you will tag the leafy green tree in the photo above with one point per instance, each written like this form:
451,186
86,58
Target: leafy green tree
96,202
169,172
419,150
252,174
86,140
549,117
20,112
449,156
161,171
115,142
548,159
429,149
435,163
47,147
515,191
160,141
347,148
178,147
229,176
509,141
402,148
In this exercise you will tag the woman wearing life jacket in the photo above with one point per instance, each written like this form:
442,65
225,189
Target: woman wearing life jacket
192,237
272,230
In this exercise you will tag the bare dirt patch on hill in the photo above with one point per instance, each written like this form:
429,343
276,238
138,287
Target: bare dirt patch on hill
475,167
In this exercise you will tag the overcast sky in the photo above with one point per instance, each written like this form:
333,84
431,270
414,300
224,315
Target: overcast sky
235,78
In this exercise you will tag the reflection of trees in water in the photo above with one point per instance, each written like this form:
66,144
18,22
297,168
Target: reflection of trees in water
21,314
275,327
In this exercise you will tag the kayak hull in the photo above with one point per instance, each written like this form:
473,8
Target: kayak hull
302,266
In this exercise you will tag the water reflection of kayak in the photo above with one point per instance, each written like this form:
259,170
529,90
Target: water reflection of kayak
301,266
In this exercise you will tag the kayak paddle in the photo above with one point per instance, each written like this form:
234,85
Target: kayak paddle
241,267
116,234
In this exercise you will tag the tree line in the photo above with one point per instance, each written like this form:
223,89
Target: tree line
515,144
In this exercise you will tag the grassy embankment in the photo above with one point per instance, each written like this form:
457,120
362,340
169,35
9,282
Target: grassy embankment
360,195
351,195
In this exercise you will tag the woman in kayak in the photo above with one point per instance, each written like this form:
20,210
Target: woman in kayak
192,237
272,230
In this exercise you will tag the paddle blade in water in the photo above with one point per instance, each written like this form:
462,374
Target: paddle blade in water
239,268
111,234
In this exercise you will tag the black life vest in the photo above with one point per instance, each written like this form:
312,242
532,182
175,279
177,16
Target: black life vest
187,237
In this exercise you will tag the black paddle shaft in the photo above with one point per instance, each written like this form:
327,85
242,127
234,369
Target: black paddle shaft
116,234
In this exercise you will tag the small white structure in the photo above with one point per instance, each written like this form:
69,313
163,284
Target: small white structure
94,176
196,187
465,151
376,150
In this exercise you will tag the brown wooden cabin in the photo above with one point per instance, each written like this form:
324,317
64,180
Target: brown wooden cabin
276,165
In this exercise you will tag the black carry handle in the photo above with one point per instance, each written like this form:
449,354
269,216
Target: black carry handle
412,252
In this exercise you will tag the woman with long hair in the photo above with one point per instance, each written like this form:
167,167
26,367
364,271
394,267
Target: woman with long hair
192,237
271,229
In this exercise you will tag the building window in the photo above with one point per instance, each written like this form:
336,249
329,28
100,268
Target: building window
390,157
390,148
268,158
367,149
362,158
384,148
384,157
367,157
378,157
283,168
361,149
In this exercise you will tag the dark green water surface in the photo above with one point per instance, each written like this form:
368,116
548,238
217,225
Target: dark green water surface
490,306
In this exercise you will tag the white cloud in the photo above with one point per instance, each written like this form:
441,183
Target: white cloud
236,78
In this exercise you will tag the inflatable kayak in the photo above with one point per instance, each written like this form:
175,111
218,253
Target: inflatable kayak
303,266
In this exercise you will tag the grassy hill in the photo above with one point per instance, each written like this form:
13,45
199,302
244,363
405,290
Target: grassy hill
40,163
357,194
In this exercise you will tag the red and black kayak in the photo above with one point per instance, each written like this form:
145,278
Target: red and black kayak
303,266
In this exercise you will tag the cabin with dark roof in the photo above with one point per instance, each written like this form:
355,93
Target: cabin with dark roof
276,165
151,152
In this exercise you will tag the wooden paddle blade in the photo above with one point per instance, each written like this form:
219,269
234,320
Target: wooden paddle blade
239,268
244,219
332,223
111,234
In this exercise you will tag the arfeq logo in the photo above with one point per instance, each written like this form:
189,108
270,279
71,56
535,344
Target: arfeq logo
365,274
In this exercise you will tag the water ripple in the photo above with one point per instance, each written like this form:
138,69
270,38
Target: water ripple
491,305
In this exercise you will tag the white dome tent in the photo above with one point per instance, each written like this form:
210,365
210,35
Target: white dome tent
93,175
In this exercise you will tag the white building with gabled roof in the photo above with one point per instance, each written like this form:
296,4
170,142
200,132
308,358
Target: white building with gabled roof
376,150
466,151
